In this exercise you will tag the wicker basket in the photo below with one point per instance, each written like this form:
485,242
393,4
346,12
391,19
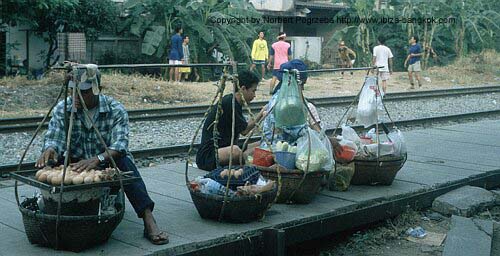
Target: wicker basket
239,209
367,173
291,188
76,233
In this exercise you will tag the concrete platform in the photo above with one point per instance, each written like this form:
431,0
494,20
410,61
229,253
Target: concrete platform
439,160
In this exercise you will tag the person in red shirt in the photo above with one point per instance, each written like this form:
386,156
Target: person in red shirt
280,53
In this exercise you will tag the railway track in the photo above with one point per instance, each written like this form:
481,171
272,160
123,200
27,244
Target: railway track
30,123
180,150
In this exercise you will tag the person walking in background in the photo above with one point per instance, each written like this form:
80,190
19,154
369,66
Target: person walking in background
279,53
345,54
175,57
413,59
185,71
382,57
260,54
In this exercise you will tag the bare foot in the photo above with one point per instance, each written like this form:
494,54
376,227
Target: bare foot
151,230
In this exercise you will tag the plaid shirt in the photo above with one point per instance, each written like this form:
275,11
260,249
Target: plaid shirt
111,120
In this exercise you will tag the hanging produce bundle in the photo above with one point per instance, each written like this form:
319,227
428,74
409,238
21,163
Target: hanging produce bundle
289,110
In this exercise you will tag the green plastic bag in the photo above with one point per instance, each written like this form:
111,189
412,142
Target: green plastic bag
289,109
340,178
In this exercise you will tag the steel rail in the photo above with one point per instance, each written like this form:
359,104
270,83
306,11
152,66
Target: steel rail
30,123
179,150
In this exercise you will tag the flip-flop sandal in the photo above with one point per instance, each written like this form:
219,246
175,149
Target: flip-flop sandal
155,239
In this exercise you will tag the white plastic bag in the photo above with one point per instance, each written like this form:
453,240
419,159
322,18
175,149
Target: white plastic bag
318,158
386,148
367,106
328,145
398,141
350,134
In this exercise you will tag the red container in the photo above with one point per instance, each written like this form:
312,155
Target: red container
347,154
262,157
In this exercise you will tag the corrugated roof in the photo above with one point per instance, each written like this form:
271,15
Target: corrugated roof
320,5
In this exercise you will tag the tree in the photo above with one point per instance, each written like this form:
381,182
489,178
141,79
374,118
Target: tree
154,21
49,17
361,34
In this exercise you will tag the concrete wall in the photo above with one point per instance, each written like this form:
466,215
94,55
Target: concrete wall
16,41
302,46
273,5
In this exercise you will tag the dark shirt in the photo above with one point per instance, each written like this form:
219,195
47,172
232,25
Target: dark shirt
176,52
223,127
415,49
293,64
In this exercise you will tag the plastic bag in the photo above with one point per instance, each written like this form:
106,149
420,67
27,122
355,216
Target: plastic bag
349,151
318,159
340,178
350,134
370,150
329,165
210,186
289,109
398,142
367,106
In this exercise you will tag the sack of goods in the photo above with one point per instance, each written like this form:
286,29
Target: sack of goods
289,110
367,147
370,101
312,153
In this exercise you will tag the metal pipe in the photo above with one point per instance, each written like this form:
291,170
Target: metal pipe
337,69
154,65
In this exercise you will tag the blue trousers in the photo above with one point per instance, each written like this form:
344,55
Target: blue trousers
136,192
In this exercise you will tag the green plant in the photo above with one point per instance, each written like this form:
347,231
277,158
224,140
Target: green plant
155,20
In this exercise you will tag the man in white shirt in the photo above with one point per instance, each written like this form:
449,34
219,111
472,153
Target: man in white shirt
382,56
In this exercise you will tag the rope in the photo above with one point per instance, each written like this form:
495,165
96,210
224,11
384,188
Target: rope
101,140
269,144
233,114
191,146
66,159
33,138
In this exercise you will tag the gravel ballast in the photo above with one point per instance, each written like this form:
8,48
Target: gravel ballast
150,134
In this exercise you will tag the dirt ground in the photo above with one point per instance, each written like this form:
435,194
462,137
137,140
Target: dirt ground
386,238
22,97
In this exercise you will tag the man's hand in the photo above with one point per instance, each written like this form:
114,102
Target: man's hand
48,154
263,112
269,66
85,165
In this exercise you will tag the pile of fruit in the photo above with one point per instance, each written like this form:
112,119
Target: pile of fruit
54,176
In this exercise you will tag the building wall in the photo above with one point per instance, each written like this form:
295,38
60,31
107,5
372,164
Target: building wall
273,5
308,48
16,42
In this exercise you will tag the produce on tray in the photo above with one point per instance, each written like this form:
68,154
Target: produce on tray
54,176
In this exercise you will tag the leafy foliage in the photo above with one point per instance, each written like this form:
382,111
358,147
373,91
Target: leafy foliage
473,26
48,17
145,18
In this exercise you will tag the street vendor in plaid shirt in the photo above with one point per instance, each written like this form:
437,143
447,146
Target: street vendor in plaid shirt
111,119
